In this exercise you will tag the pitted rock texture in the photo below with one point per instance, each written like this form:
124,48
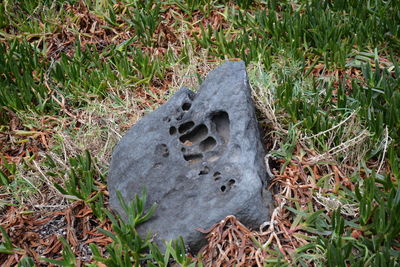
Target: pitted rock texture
200,158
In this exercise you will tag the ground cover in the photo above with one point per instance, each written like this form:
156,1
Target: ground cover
75,75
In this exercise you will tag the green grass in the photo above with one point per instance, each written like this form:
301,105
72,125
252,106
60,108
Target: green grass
74,75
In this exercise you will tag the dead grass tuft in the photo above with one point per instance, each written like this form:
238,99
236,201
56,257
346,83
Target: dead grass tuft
230,243
37,233
85,27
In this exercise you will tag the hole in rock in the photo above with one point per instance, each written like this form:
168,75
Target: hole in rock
204,171
195,135
207,144
217,176
193,157
157,166
183,149
231,182
167,119
191,96
185,126
186,106
221,121
163,150
223,188
172,130
235,152
179,117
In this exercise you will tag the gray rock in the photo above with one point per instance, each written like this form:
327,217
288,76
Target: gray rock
200,158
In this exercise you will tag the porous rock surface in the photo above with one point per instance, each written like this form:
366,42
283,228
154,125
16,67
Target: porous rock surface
200,157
